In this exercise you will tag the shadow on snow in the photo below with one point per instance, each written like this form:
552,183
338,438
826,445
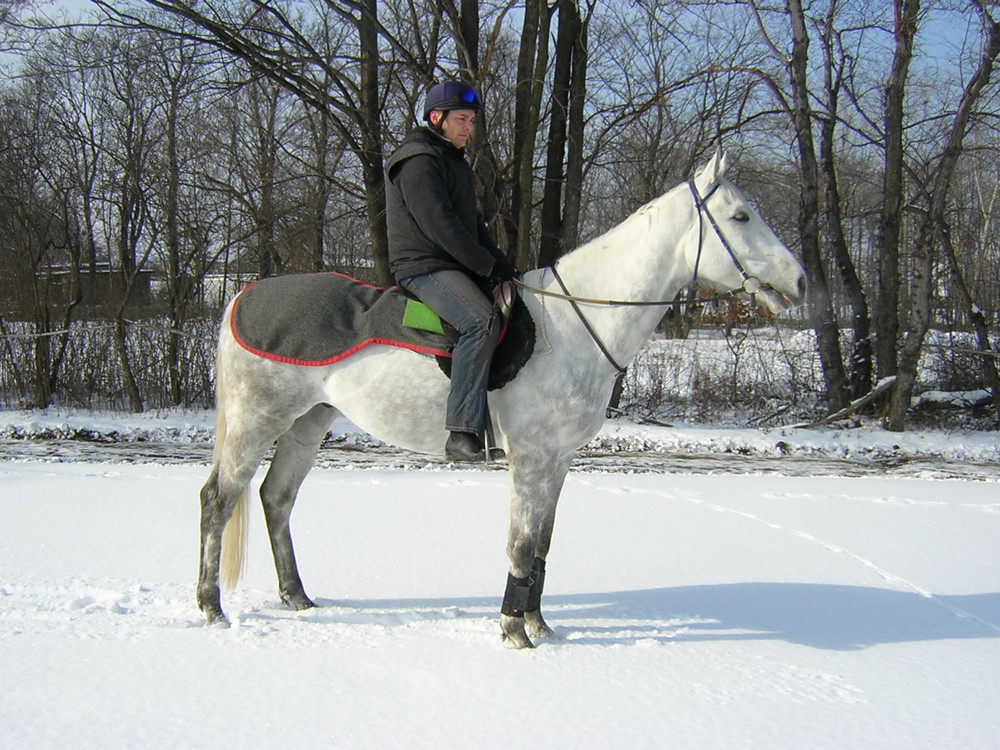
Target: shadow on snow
823,616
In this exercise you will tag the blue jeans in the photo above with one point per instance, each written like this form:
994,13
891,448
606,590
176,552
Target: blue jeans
460,301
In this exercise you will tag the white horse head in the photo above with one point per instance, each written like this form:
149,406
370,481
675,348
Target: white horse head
730,247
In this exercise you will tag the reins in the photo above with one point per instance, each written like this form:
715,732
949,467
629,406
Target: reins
586,324
633,303
751,285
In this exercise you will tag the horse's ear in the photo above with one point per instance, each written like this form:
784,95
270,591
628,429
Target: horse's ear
713,171
719,160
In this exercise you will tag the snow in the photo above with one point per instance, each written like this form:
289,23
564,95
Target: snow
955,398
692,609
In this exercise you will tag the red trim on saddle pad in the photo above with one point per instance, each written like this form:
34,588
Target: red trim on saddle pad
353,349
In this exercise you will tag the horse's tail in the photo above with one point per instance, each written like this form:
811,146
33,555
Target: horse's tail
234,536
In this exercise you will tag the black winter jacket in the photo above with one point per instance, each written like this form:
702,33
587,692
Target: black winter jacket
431,213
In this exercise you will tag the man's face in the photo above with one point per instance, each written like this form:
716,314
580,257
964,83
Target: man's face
456,125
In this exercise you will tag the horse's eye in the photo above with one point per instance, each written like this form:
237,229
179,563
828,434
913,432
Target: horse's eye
741,216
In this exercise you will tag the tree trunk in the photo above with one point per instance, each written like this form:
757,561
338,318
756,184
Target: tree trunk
860,366
824,320
268,260
372,157
991,378
321,191
932,231
172,232
13,361
41,351
922,282
575,132
891,215
121,346
553,243
532,60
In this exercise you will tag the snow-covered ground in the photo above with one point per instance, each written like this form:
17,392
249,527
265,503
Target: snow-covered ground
622,446
693,609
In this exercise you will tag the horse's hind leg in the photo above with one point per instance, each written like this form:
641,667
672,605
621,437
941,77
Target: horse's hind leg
213,520
240,444
293,458
226,487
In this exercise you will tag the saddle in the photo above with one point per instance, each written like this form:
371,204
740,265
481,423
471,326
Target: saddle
317,319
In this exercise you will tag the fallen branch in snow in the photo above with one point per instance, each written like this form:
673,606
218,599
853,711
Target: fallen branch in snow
964,350
883,385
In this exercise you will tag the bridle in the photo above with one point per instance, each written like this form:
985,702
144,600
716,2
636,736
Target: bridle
751,284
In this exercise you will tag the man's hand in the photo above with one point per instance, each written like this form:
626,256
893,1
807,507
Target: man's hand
502,271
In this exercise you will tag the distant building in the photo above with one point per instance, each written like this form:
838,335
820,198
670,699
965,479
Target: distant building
100,290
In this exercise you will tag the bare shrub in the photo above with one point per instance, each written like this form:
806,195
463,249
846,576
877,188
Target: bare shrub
745,377
91,377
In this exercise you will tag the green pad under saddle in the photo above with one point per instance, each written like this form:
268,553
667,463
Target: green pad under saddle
420,316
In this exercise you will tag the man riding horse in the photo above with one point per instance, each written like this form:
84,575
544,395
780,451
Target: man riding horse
441,250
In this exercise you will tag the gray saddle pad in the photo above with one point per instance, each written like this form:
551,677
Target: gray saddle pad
319,318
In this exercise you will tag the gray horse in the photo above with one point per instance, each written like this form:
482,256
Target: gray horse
702,230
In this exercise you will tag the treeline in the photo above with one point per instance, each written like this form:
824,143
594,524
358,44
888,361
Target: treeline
154,156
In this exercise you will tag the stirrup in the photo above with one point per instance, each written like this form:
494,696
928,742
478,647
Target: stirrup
465,446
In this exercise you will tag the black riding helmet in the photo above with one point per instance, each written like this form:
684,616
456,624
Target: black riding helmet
450,95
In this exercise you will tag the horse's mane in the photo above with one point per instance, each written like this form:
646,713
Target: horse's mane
633,230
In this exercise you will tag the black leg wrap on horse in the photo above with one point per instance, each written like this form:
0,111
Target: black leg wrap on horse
524,594
534,602
515,598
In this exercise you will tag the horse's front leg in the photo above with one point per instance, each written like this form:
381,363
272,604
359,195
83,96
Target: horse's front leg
535,486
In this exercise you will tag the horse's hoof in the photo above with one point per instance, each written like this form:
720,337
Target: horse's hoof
297,601
514,634
516,641
216,619
536,626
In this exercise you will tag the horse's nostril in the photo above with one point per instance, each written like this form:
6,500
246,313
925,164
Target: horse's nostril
802,287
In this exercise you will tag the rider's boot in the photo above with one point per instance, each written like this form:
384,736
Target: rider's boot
465,446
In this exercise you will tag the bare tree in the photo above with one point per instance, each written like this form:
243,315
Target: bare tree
532,59
179,74
933,226
41,269
838,66
12,37
276,45
905,17
800,111
247,138
560,213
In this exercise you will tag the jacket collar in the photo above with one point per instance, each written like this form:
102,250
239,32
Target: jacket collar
439,139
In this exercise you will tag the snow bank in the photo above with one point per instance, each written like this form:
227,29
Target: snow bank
617,436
